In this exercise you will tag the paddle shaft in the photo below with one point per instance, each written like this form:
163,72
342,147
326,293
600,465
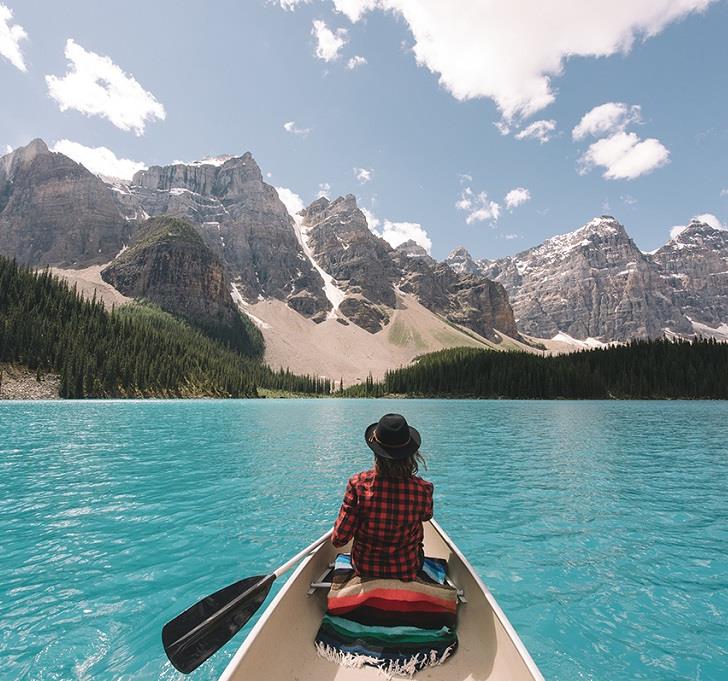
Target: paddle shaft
302,554
192,633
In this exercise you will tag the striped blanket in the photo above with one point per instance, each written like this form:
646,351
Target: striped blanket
398,626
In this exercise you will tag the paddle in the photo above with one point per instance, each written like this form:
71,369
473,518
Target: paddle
200,631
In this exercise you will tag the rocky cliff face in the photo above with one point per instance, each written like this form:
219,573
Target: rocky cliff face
695,265
55,212
369,271
362,264
169,264
241,219
466,299
591,283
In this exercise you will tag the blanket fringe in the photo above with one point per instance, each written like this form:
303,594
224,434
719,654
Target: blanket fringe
406,669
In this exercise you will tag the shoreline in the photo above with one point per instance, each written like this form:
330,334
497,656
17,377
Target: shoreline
451,398
18,382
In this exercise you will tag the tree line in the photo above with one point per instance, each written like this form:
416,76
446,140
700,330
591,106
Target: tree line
136,350
642,369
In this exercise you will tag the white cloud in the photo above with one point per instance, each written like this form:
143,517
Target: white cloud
324,190
328,43
510,237
624,156
354,9
538,130
510,51
363,175
10,37
396,233
99,160
372,220
355,62
503,127
628,199
517,197
292,201
724,192
606,119
290,5
95,86
290,126
477,206
677,230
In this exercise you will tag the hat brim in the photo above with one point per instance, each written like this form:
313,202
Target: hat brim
393,453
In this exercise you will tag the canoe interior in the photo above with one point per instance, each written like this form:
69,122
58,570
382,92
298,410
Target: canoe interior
280,647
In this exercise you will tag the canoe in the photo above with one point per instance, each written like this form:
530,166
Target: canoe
280,647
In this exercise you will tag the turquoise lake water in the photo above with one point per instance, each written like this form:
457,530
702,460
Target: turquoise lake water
601,527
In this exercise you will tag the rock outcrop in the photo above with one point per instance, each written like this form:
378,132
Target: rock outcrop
55,212
462,262
362,263
411,249
170,265
469,300
242,220
695,264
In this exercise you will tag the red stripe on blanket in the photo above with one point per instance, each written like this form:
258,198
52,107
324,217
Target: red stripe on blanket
394,606
394,596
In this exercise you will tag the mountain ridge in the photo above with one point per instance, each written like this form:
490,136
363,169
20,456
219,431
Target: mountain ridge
595,283
326,263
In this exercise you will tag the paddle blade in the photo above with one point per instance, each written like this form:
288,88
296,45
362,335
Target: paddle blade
189,639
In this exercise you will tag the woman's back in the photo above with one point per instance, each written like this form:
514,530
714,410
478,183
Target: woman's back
384,517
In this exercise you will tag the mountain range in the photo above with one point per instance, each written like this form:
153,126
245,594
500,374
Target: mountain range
212,242
595,283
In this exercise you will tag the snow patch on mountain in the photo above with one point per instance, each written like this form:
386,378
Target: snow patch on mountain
243,307
294,205
719,333
586,344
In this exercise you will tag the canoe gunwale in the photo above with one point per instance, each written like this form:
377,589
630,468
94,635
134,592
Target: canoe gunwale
497,610
232,667
252,634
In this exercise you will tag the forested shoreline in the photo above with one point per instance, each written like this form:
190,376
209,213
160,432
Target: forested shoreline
136,350
647,369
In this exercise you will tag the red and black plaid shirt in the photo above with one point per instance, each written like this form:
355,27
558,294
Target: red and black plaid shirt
384,518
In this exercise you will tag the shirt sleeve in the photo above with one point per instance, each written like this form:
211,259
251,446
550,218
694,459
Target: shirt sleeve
346,523
427,514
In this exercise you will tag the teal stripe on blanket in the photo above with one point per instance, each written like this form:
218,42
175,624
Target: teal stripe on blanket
370,632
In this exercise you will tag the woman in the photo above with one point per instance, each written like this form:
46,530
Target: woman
384,508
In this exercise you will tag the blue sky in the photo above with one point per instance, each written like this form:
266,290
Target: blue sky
417,110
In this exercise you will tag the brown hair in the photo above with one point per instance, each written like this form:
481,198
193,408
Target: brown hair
400,469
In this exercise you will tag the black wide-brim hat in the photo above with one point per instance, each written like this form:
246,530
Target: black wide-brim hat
392,438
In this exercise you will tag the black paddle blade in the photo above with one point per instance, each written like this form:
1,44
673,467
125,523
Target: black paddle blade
189,639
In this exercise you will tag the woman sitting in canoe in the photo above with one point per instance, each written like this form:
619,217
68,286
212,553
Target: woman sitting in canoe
388,606
384,507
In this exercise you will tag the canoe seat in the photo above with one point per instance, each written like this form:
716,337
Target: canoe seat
325,579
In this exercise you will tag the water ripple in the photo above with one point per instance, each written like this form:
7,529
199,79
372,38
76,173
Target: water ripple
600,526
